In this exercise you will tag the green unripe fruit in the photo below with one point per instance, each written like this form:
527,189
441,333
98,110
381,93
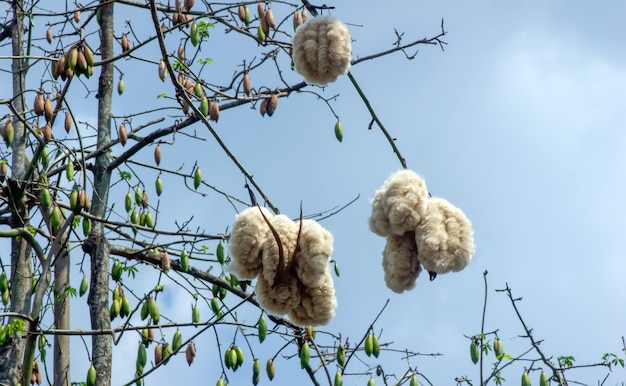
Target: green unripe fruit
474,352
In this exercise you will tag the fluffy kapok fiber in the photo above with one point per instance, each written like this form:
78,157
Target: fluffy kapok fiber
280,298
322,50
445,238
287,230
246,241
399,204
317,305
400,262
316,246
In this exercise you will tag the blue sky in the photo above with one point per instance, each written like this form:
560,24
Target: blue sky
519,123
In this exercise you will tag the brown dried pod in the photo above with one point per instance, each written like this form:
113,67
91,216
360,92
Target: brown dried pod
189,4
214,111
297,19
185,107
82,199
49,36
181,53
39,378
46,132
4,170
38,105
158,354
163,29
247,85
271,106
125,43
162,70
165,261
69,73
68,122
122,134
179,6
265,26
144,199
77,14
48,110
181,79
175,18
183,19
71,58
263,108
305,15
190,352
269,17
60,68
189,85
157,154
260,7
241,12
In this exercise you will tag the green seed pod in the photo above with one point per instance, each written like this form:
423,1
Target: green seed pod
220,382
339,131
149,220
74,200
270,369
46,199
204,106
146,336
260,34
198,91
55,219
256,372
341,355
371,382
158,184
240,356
375,346
84,285
195,314
197,178
167,353
474,353
220,253
338,379
134,217
153,310
120,87
369,344
138,197
305,355
125,310
498,349
6,297
193,34
86,226
262,328
45,158
116,271
177,340
543,379
128,202
525,379
4,281
145,310
184,260
9,133
142,358
91,376
215,305
337,269
227,362
69,171
414,381
114,311
41,343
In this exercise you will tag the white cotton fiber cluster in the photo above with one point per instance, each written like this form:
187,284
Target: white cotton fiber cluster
246,242
399,204
322,50
302,288
420,231
400,262
446,240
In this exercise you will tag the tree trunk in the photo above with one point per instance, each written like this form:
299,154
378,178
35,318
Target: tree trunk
21,267
98,245
62,320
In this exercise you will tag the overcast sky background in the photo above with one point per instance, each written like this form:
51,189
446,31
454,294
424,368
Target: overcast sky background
519,122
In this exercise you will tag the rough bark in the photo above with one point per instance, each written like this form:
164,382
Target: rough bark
62,321
21,267
97,244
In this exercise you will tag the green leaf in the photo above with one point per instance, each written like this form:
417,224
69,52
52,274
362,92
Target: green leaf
125,176
162,95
